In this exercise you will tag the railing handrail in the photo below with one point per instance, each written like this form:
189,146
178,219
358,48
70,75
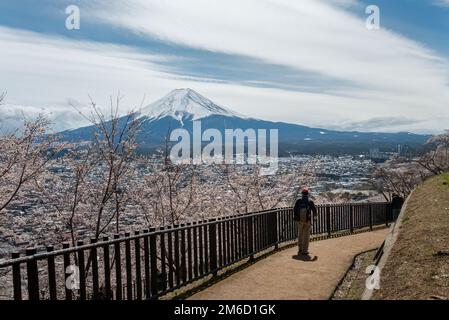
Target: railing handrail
187,251
146,233
161,230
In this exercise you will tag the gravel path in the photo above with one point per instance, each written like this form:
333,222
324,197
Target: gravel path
283,276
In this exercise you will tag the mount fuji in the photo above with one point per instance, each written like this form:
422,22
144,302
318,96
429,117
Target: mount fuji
183,104
181,107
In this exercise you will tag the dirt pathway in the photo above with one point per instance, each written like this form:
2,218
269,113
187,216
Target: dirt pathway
283,276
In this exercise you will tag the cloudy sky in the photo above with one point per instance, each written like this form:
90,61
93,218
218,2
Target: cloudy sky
312,62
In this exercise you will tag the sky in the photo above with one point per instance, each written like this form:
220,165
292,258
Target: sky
311,62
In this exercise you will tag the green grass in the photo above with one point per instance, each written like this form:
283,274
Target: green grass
445,177
418,267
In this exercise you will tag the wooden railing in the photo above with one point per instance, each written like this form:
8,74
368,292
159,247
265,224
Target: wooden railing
152,263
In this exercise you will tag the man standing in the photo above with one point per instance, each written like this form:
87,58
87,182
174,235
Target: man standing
303,210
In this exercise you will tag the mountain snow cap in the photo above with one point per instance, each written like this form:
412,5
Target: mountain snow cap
185,103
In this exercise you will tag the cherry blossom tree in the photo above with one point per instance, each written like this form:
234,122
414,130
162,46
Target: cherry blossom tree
397,178
105,166
102,186
168,194
25,154
437,161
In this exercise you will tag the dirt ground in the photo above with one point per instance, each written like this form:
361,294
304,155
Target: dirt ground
418,265
285,276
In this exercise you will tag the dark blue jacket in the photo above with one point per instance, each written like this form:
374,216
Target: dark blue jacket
310,208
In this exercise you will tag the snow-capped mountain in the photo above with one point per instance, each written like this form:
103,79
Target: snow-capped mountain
181,107
185,104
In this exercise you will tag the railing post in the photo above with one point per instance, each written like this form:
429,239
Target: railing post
251,238
94,265
275,229
220,243
146,254
138,269
328,220
107,269
183,255
129,279
118,268
16,277
162,276
153,263
32,275
82,271
213,246
351,218
371,217
68,292
195,250
51,274
387,210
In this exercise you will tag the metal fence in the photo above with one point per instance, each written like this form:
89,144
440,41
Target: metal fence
152,263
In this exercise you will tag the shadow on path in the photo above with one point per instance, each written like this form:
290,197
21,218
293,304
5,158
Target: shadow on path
306,258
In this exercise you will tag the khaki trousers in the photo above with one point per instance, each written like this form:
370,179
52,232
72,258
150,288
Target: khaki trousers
303,236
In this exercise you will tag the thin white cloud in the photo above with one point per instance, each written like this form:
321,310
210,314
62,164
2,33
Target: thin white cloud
41,73
308,35
344,3
442,3
390,76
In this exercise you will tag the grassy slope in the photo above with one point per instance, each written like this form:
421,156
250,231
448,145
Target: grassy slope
418,267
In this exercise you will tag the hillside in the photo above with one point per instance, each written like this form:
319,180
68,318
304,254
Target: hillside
418,265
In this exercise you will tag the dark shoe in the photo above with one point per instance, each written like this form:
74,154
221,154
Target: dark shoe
305,253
